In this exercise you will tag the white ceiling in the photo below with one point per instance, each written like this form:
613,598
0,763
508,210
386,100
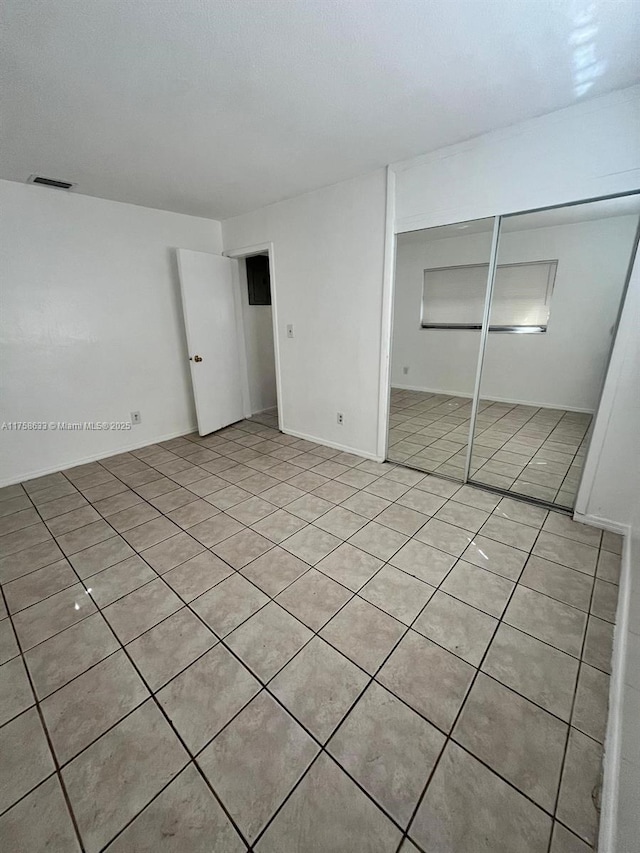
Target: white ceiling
216,107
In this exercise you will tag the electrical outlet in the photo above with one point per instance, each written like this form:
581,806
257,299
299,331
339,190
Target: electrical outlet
405,370
340,418
290,330
136,418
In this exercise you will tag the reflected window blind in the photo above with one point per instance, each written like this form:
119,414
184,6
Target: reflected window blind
453,297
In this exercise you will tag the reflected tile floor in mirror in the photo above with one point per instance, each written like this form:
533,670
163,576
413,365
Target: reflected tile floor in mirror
251,641
536,452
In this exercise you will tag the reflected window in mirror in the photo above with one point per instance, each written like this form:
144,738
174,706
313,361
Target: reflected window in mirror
453,297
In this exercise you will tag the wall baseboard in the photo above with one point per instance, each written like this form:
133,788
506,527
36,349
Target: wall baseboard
602,523
467,396
344,447
612,745
73,463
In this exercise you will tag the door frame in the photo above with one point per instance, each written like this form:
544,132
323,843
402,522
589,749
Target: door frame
239,254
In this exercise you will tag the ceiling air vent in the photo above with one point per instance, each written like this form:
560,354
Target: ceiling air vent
50,182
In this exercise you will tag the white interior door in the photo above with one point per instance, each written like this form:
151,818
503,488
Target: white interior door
209,306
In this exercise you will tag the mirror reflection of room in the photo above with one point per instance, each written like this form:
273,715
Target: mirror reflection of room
440,283
560,279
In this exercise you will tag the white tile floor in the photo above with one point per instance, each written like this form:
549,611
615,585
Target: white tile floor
531,451
248,641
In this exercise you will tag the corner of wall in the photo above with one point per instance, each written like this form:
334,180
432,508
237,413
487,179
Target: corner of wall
607,840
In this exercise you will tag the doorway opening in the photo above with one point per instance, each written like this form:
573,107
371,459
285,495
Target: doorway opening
229,309
257,314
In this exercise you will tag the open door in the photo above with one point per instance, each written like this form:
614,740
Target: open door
209,307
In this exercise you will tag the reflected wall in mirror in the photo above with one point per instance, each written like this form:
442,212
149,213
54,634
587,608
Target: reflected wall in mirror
559,281
439,295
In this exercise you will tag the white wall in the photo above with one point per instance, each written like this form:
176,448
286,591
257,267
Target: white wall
611,493
593,259
611,485
328,249
258,336
91,326
587,150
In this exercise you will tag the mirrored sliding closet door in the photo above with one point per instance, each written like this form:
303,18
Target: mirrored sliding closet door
557,291
439,297
502,333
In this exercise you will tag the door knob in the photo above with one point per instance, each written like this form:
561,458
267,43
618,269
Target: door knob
196,358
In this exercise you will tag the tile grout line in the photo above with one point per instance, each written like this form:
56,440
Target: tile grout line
284,482
548,438
57,770
276,545
265,687
367,520
152,696
273,545
512,437
158,575
384,564
573,703
449,734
